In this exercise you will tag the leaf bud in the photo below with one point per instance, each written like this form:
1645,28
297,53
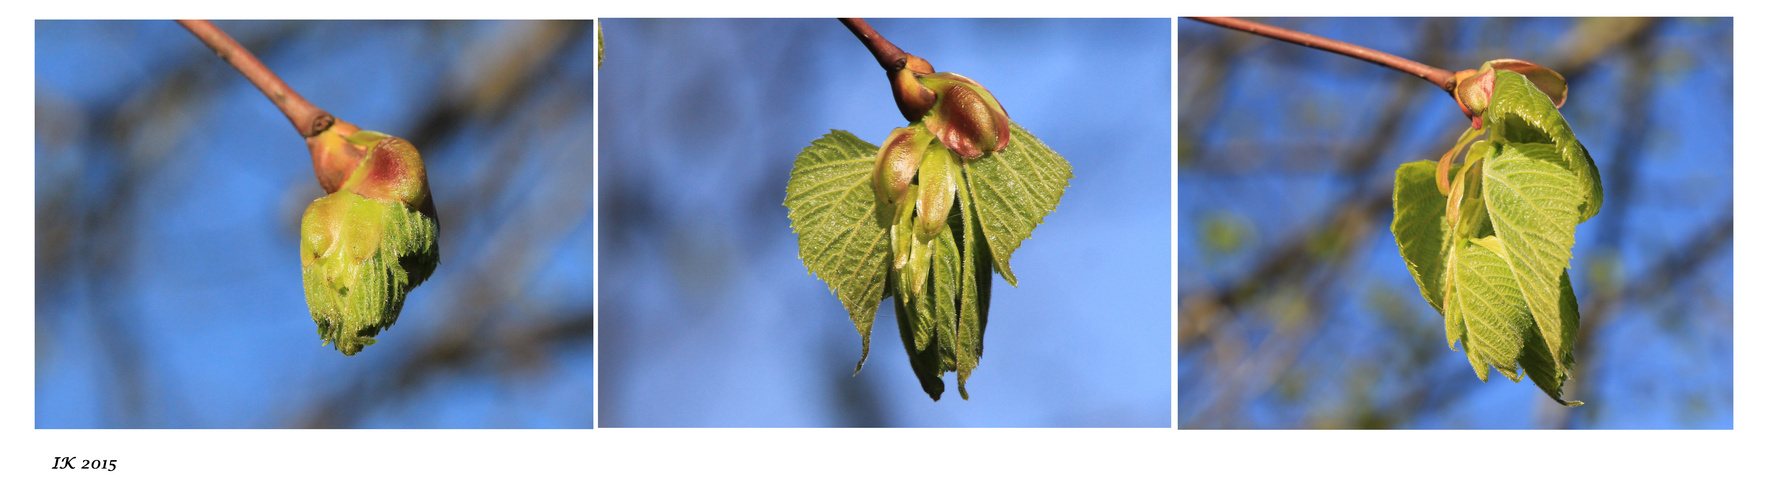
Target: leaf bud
370,241
1473,88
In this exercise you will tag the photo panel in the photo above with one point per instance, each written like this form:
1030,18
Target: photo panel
1354,237
415,251
747,257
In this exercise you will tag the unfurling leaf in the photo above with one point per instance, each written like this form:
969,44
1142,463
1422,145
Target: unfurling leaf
1491,251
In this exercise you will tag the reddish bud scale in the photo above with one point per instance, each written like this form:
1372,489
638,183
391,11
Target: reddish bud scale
1473,88
917,64
966,118
912,99
1473,93
334,156
898,161
394,171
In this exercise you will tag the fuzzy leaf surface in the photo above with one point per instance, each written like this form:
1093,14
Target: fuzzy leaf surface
831,206
1533,204
975,278
1420,226
1013,190
1520,113
1489,302
359,259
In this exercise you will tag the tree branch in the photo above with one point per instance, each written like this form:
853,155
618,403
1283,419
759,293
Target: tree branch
1439,77
888,55
308,120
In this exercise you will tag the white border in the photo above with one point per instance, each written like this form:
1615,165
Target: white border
872,462
1174,222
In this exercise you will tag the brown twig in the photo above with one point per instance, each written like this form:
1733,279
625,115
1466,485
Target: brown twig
1437,76
888,55
307,119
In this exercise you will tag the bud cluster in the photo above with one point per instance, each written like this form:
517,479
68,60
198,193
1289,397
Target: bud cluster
960,112
915,181
1472,91
952,119
1472,88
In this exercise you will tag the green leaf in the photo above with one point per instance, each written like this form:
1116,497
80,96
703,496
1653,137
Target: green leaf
1420,227
975,280
1486,308
1520,113
830,202
943,300
924,362
1533,205
1014,189
1549,372
935,346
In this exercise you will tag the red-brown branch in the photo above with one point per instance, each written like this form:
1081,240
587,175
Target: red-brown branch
888,55
308,120
1439,77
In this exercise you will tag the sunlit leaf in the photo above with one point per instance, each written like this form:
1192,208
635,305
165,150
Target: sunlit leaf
1520,113
1532,202
1420,227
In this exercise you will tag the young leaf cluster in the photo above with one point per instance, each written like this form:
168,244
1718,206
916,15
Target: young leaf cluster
1491,254
1000,197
